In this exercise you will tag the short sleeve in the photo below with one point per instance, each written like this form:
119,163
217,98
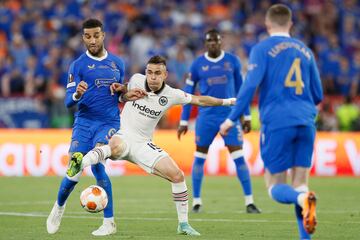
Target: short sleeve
181,97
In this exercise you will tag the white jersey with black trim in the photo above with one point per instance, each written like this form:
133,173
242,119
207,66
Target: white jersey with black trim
139,118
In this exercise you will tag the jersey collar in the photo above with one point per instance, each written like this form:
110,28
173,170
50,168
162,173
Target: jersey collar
214,60
280,34
147,88
97,58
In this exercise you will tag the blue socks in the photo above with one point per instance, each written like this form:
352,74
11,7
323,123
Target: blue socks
197,173
242,172
65,189
284,193
299,219
103,180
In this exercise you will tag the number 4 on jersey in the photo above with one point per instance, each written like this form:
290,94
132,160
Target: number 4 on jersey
297,83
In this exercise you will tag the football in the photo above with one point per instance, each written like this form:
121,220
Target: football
93,199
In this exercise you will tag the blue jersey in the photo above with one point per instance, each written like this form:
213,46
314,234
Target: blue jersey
285,71
220,77
97,103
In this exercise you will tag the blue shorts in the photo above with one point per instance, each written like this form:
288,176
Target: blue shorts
206,130
289,147
86,134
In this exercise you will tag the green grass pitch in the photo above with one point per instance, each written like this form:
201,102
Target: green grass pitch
144,210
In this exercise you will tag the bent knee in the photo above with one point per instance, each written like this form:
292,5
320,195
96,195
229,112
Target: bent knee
118,147
178,176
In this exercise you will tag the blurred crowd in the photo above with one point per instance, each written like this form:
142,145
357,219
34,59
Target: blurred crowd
39,39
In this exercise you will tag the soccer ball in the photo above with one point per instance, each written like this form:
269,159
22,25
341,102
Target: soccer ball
93,199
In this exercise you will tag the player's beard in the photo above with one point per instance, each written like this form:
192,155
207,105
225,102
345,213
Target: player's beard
214,52
96,52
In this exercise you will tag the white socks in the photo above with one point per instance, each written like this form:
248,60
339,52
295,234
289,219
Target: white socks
197,201
96,155
108,220
301,198
180,196
249,199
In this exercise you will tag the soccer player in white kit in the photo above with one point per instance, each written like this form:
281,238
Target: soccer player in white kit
133,141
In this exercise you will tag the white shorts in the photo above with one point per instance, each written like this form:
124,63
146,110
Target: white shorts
144,154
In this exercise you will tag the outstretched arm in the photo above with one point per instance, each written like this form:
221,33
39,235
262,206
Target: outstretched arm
211,101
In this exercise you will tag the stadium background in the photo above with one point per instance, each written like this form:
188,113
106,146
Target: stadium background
39,39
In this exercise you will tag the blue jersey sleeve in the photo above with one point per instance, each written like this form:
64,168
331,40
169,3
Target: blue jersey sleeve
190,86
315,83
239,81
73,81
121,66
255,74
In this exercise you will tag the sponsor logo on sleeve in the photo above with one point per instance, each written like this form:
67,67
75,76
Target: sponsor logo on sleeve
71,82
71,78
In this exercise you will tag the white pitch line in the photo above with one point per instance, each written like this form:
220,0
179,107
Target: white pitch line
24,203
43,215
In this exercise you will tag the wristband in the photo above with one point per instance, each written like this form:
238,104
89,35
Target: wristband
183,123
227,101
247,117
74,98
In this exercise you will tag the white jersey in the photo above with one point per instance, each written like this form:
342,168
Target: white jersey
139,118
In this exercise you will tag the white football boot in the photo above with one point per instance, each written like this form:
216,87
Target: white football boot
107,228
54,219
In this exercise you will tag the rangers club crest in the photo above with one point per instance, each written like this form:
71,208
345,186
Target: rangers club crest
163,101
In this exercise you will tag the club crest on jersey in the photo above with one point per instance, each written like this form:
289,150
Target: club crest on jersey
163,100
91,66
227,66
205,68
113,66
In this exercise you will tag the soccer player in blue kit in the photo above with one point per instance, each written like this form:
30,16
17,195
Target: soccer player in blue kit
218,74
285,72
97,118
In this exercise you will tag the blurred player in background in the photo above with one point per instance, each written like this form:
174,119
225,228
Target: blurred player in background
97,118
285,71
218,74
133,141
